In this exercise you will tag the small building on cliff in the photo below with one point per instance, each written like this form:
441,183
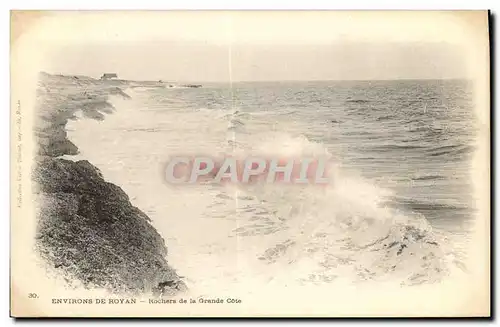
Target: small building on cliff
109,76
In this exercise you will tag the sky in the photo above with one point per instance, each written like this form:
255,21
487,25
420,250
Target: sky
259,46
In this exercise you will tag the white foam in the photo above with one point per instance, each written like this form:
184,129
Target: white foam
328,226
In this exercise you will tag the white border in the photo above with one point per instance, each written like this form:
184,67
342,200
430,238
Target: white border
181,4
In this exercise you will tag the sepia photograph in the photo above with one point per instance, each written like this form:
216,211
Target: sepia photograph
250,164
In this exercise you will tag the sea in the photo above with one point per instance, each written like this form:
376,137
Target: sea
398,210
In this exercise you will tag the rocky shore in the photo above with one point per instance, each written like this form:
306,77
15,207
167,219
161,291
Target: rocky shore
88,230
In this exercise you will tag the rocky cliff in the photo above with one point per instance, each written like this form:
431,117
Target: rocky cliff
87,228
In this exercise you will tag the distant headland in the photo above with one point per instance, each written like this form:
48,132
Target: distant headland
112,78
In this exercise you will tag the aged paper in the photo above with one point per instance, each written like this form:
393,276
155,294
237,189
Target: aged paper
250,164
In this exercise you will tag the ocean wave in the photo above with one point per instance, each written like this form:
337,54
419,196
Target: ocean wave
382,118
313,235
428,177
419,205
357,101
343,231
455,149
425,148
400,147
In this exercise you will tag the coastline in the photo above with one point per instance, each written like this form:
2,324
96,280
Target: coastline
396,243
87,228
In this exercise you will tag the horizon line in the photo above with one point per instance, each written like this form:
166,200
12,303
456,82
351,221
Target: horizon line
268,81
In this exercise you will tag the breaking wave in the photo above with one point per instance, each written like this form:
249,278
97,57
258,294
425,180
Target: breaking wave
347,232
